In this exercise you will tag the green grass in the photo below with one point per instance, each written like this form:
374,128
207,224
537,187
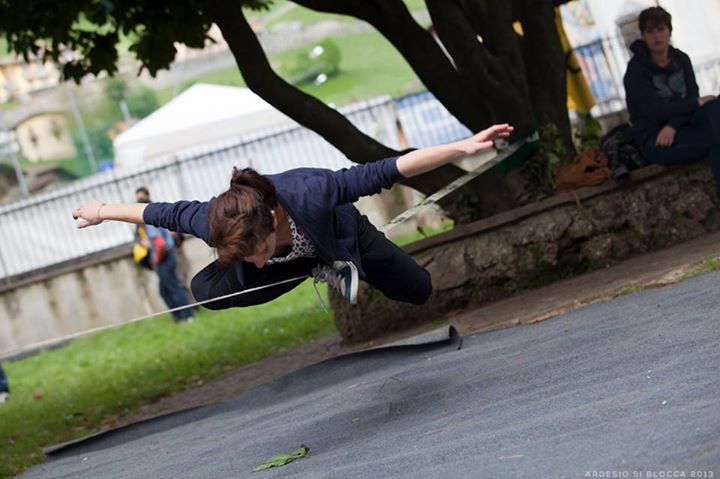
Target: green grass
9,105
425,233
369,67
307,16
4,51
708,264
228,76
78,166
94,379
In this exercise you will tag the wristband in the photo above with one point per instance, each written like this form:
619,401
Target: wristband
98,211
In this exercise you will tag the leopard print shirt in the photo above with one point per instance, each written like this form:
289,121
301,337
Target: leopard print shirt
302,247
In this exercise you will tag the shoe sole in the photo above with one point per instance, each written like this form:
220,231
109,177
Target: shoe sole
353,283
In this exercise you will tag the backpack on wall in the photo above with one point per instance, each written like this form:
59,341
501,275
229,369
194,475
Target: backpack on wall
623,156
589,168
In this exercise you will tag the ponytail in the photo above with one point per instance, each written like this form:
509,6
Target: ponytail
241,218
249,178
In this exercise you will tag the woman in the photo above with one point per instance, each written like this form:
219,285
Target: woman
671,123
268,229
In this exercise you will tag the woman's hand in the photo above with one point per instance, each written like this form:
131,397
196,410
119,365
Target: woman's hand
89,213
426,159
484,139
666,137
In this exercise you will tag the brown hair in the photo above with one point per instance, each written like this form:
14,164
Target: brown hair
654,16
240,219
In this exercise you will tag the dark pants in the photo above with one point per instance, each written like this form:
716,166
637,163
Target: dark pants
4,386
387,268
694,142
171,290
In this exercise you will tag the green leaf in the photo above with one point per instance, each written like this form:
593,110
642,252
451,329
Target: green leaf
282,459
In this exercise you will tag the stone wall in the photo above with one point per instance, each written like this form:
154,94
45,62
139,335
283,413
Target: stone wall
563,235
100,290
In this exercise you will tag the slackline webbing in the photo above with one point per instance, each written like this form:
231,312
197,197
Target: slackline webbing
429,201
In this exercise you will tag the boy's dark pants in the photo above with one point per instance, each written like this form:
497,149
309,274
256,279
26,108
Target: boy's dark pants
694,142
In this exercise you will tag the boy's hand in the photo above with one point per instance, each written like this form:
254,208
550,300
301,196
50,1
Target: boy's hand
666,137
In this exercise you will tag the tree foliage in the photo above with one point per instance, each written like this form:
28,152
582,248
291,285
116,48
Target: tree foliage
83,35
483,73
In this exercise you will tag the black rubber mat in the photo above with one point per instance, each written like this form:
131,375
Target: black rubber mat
630,385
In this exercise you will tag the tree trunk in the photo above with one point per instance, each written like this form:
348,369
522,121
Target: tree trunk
394,21
485,69
303,108
545,66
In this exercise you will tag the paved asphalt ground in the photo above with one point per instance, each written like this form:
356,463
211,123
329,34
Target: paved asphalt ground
622,388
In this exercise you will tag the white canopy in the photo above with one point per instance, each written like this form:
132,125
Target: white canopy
201,114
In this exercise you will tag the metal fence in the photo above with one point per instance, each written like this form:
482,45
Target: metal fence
38,232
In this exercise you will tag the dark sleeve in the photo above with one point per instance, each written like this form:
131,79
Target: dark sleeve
693,92
643,101
349,184
693,89
189,217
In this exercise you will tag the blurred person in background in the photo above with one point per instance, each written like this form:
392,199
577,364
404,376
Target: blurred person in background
156,249
4,386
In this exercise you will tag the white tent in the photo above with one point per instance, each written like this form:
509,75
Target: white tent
201,114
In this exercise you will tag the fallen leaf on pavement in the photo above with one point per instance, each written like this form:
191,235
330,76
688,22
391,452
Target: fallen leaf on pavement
282,459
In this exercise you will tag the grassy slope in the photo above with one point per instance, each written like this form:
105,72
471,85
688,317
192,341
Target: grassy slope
114,372
369,67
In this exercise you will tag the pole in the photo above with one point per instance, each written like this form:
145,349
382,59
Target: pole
83,133
18,170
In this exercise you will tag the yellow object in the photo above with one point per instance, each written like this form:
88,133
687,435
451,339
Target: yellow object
140,252
579,95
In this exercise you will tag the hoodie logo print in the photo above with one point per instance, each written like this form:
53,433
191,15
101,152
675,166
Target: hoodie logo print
670,85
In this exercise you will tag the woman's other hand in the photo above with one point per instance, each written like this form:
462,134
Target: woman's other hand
484,139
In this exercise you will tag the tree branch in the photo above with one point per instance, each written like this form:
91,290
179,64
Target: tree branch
301,107
395,22
543,51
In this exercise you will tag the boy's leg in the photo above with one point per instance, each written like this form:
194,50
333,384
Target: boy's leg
694,142
214,281
390,269
708,117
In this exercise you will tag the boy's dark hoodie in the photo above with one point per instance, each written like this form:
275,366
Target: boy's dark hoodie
659,96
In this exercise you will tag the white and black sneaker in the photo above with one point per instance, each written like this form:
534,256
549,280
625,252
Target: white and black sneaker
4,396
342,276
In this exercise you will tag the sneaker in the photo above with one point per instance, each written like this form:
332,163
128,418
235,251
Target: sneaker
4,396
342,276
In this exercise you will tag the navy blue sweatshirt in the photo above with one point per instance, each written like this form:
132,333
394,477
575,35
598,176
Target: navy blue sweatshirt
318,200
659,96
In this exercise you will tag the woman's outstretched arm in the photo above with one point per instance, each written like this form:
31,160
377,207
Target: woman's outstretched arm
427,159
182,216
95,212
